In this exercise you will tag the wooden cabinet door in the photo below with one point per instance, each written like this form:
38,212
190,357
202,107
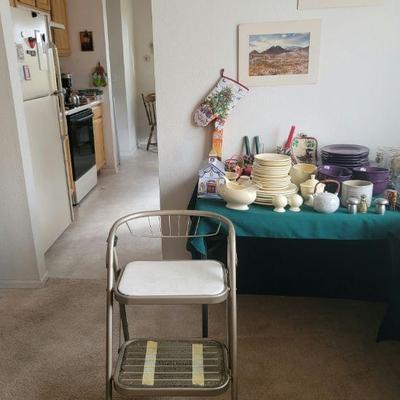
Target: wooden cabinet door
43,5
31,3
60,36
99,143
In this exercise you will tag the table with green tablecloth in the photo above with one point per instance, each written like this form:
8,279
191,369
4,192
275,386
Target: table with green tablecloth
311,254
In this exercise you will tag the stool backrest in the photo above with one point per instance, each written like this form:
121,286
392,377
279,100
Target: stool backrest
183,224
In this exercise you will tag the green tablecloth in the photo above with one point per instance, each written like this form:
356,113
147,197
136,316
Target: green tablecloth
261,221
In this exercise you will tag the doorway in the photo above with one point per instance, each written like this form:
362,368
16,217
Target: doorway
79,252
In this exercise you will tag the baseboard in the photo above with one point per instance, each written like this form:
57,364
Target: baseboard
11,284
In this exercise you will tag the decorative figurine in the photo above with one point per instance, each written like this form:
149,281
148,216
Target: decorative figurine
363,206
280,202
380,205
211,173
295,202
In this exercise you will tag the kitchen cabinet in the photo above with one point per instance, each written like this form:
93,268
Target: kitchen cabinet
43,5
30,3
98,137
60,36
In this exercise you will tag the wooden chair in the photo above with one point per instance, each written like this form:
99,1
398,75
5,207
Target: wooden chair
149,102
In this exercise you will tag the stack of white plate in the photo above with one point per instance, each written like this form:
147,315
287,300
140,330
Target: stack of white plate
271,172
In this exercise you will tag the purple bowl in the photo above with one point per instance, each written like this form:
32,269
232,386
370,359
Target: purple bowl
380,187
372,172
340,174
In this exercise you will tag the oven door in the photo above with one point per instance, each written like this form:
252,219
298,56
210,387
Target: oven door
80,132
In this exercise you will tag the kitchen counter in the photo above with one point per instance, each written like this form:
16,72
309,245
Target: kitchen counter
83,107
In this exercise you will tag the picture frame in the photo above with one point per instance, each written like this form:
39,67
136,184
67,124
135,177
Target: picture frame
314,4
279,53
86,40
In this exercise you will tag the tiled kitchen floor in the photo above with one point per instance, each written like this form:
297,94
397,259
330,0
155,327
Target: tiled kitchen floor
80,250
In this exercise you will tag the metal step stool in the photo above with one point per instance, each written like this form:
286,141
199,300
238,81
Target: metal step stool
173,367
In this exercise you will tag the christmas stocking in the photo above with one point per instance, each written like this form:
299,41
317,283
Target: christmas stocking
216,108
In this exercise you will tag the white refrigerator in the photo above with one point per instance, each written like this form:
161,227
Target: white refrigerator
44,119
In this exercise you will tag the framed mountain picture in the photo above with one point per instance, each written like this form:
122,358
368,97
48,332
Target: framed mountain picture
279,53
310,4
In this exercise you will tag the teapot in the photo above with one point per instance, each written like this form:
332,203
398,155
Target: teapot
238,197
325,202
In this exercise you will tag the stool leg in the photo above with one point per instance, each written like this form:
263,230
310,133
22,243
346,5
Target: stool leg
109,345
204,313
124,320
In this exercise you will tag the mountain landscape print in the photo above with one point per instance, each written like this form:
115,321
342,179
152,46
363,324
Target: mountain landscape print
279,54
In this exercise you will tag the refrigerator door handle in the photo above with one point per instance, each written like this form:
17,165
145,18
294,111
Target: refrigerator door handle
58,93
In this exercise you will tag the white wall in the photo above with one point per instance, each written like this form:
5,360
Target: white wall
128,33
91,15
144,61
119,21
21,264
356,99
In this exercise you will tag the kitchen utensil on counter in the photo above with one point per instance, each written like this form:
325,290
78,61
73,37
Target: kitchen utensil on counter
325,202
307,187
74,100
380,205
392,195
352,205
295,202
357,188
238,197
301,172
280,202
66,81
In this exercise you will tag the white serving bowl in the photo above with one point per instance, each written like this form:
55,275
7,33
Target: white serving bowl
237,197
356,188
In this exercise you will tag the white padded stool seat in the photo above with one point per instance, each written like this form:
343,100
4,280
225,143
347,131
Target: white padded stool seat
181,278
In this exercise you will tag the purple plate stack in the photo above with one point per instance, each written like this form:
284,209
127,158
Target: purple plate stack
345,155
378,176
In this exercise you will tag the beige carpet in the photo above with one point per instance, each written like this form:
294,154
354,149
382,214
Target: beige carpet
52,345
